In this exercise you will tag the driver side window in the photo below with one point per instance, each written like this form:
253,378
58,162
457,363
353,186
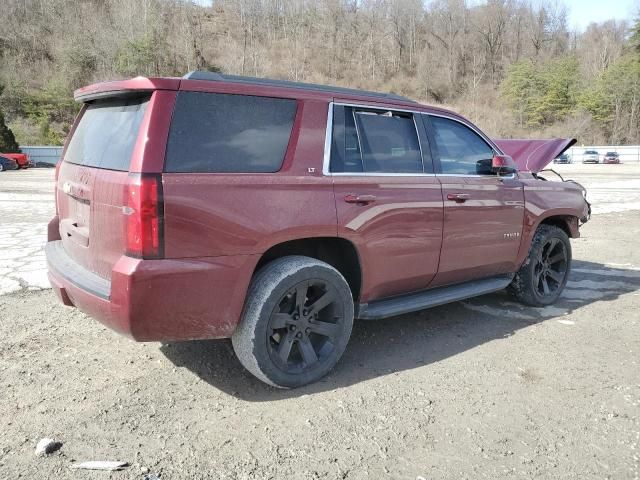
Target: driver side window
461,150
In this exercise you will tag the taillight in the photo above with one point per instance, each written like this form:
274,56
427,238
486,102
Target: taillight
145,212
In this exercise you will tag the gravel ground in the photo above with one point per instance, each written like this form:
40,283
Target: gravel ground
477,389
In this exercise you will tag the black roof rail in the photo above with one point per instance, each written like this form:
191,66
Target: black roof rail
220,77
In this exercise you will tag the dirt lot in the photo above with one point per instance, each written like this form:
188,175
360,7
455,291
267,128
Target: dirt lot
477,389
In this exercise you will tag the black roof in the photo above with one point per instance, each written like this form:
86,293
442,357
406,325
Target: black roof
219,77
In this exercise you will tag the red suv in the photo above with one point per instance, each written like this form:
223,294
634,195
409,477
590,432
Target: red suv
275,213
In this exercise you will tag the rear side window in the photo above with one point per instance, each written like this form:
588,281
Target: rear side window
218,133
345,148
107,133
389,143
375,141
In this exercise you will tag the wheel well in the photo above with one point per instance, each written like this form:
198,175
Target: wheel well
341,254
560,221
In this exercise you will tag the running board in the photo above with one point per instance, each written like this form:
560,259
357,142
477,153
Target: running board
413,302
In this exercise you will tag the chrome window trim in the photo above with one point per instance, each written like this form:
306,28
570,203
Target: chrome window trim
376,107
327,141
379,174
329,137
477,175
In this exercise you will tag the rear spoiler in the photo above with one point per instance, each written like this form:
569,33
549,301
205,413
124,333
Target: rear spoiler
124,87
534,155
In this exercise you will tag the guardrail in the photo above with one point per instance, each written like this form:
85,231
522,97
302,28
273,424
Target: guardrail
628,153
42,153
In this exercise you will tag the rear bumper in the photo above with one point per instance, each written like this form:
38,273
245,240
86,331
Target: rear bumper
157,300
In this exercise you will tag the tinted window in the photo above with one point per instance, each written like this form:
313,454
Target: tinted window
345,150
213,132
375,141
590,152
389,143
107,133
461,150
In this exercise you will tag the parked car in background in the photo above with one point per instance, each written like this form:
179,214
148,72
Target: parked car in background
611,157
564,158
7,163
590,156
46,164
43,156
22,159
310,207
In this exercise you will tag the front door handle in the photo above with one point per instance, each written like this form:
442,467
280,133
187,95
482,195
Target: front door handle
458,197
359,199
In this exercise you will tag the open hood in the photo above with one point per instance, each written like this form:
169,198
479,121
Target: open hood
534,155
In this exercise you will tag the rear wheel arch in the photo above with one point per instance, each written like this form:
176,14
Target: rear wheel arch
338,252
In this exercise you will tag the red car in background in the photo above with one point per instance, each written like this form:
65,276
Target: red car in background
22,159
611,157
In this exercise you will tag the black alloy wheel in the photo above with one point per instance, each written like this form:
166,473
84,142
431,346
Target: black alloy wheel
544,273
296,322
551,267
304,326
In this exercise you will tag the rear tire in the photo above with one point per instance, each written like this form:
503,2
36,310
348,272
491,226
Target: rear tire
543,276
296,323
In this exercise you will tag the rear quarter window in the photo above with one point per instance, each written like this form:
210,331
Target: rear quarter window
220,133
107,133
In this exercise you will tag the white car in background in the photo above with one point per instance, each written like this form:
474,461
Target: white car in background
590,156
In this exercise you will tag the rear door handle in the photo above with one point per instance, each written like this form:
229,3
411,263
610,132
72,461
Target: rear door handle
458,197
360,199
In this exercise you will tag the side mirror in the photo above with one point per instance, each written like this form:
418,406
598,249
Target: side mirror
503,164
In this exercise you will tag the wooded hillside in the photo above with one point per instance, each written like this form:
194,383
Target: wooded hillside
513,66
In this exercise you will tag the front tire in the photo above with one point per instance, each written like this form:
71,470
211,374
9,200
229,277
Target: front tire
543,276
296,322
